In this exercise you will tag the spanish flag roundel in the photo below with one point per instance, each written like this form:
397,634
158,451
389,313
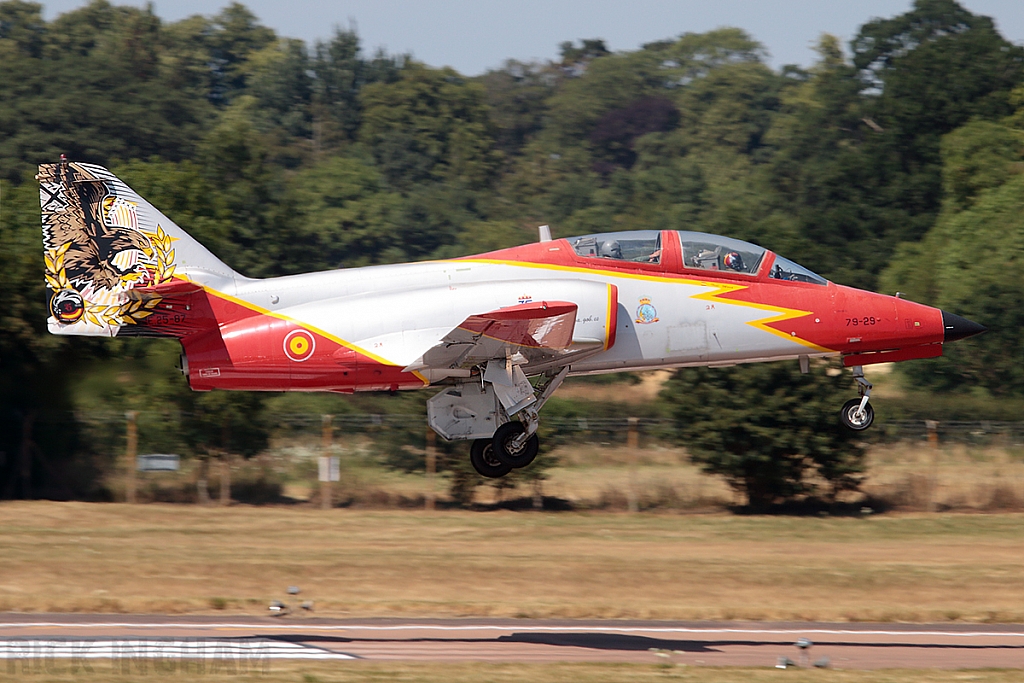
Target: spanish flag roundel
299,345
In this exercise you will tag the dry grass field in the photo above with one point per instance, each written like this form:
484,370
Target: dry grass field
350,672
904,476
75,557
953,477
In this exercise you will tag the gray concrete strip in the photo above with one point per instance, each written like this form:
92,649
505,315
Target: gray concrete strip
860,646
16,621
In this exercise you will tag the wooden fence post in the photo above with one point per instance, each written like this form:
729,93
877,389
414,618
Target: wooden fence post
431,468
933,440
225,479
131,451
633,433
633,443
326,438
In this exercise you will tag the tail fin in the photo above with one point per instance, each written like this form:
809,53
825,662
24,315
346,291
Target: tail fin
112,259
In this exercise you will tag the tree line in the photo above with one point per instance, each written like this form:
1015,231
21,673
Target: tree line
893,163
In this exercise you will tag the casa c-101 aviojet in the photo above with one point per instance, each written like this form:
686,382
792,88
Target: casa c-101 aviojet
477,328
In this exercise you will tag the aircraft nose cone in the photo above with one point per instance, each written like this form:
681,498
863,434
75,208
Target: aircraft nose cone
956,327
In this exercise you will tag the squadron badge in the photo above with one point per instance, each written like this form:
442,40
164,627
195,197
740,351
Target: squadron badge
646,313
67,306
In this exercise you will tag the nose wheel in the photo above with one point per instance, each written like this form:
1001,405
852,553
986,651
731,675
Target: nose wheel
856,418
857,414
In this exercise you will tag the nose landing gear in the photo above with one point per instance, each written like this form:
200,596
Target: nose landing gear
857,414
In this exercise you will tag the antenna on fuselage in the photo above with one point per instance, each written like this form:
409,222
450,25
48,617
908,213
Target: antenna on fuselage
545,233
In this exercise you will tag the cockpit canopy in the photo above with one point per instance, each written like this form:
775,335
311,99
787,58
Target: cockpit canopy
784,269
700,251
638,246
712,252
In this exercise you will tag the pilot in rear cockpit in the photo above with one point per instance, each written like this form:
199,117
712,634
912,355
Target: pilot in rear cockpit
733,261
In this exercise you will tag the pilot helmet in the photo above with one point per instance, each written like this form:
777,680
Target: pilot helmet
611,249
733,260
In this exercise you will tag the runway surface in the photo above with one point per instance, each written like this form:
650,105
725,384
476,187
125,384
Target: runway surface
844,646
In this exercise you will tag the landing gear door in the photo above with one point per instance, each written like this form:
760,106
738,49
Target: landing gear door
464,411
511,387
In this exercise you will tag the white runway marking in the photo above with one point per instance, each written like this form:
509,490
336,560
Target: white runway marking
512,627
252,650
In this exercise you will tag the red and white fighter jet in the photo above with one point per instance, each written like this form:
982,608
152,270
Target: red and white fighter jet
477,328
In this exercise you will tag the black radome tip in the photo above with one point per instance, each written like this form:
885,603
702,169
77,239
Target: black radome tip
956,327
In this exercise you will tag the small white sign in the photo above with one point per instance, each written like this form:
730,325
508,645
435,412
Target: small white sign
158,462
330,468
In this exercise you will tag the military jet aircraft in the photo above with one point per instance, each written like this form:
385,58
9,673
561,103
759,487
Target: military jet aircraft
477,328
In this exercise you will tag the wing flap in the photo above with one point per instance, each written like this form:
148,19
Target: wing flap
537,331
535,325
575,319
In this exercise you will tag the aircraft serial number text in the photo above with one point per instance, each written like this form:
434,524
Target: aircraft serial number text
167,319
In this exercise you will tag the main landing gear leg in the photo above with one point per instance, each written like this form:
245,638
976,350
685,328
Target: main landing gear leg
857,414
515,443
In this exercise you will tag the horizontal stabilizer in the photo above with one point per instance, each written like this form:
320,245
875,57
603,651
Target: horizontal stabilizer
165,290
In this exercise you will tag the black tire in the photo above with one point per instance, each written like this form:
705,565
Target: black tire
503,441
849,418
481,455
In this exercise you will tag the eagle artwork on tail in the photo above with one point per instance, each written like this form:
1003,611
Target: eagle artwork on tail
94,250
99,251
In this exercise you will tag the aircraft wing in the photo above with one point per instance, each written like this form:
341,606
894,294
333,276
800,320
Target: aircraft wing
538,332
574,320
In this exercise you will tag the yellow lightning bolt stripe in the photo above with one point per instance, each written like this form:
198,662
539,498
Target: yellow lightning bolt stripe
718,289
308,327
781,312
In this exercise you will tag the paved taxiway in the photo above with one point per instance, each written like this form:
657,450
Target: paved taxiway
848,646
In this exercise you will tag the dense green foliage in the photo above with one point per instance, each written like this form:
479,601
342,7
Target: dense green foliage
971,261
283,157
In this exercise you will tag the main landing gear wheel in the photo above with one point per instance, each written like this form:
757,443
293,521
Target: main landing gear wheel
481,454
854,418
505,448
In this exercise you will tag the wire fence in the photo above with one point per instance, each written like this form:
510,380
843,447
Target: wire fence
579,429
105,443
981,433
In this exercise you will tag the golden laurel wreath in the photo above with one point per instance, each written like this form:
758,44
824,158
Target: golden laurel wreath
131,311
